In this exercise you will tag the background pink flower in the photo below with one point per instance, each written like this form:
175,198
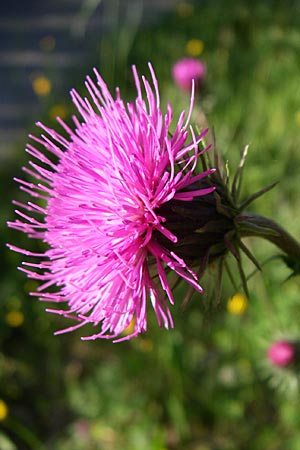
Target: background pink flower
281,353
187,69
102,215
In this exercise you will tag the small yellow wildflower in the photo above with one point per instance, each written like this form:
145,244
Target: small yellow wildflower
130,329
237,304
14,318
185,9
41,85
194,47
58,111
3,410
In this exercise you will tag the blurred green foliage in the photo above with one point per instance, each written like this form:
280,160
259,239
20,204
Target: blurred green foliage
206,385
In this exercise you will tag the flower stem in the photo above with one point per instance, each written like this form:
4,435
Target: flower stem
250,224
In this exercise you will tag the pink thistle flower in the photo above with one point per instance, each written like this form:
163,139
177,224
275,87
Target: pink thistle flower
186,70
281,353
102,217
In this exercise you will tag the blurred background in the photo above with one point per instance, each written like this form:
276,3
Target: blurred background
209,383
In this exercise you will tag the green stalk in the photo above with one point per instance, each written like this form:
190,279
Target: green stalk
250,224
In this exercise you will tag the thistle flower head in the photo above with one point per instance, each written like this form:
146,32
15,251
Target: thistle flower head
105,205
